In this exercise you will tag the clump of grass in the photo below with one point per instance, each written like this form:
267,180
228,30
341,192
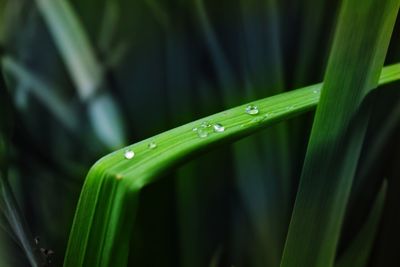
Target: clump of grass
90,100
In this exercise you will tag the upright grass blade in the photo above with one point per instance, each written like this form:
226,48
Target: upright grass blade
358,253
189,189
263,178
313,28
73,44
222,67
108,26
85,70
106,210
260,163
385,249
358,53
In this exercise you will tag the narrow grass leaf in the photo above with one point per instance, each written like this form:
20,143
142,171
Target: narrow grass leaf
313,27
260,163
111,189
108,25
74,45
106,210
361,41
223,68
358,253
85,70
106,121
189,189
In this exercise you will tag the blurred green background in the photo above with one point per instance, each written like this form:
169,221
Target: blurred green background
165,63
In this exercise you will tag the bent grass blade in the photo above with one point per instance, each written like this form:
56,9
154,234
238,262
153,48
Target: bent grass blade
106,210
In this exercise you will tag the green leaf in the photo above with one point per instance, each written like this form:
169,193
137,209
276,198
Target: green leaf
73,44
358,252
107,207
314,27
85,70
261,163
361,40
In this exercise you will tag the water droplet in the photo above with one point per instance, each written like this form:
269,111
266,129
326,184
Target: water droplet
202,133
152,145
118,176
205,124
129,154
194,129
252,110
316,91
218,128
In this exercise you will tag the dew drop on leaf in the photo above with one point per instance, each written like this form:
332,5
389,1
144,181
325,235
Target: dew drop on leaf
202,133
252,110
152,145
129,154
218,128
205,124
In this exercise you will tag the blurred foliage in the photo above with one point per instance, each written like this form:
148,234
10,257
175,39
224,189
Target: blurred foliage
165,63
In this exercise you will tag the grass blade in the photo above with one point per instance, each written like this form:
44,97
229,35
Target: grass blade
357,254
385,248
73,45
106,211
263,75
85,69
108,26
337,133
